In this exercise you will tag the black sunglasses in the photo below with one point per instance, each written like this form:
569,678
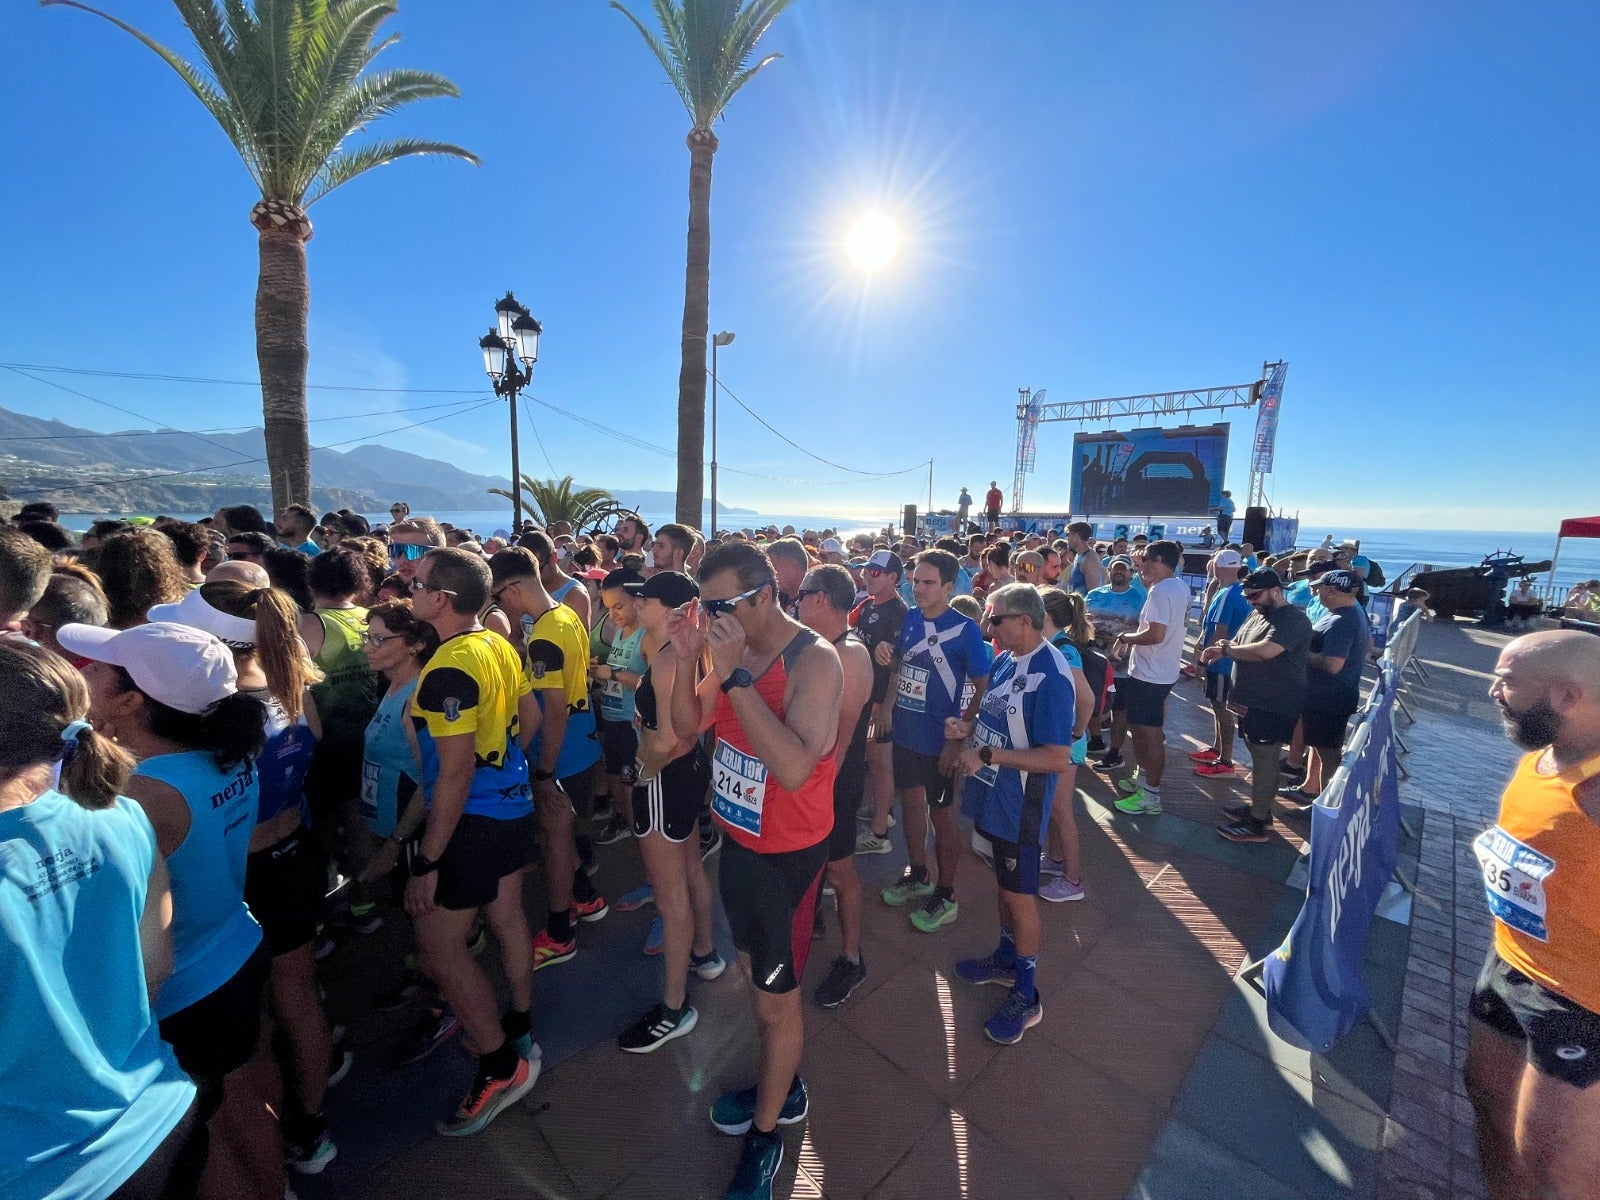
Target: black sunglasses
719,607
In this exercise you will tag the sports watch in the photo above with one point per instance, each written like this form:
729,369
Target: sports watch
986,754
738,679
421,864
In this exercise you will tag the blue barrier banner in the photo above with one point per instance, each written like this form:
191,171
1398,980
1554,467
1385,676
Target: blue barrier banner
1315,990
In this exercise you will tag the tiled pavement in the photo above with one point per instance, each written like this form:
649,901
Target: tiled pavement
1152,1069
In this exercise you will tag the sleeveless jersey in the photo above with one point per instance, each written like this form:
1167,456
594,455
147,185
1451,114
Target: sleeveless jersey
1541,869
626,654
757,811
853,758
91,1089
284,761
348,696
213,932
388,766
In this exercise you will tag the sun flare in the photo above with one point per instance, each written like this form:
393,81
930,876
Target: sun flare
873,242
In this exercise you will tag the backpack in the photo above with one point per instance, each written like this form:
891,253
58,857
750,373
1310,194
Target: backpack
1374,574
1097,670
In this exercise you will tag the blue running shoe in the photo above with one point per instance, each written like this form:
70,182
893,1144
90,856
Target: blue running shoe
637,898
734,1112
1014,1018
759,1161
986,970
656,941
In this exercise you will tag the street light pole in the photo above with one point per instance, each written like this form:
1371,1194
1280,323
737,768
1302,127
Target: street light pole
721,339
516,336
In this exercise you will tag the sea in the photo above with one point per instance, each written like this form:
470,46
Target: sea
1394,549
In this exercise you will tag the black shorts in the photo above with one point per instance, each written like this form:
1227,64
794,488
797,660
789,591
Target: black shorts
1219,687
284,885
1147,702
1016,868
580,790
771,901
1563,1038
333,779
1119,695
913,769
669,804
619,745
1260,727
1325,730
218,1033
482,852
849,786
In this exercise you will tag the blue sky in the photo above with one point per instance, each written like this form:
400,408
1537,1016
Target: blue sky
1099,200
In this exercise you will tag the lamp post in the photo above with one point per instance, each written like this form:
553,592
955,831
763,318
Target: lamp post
516,337
721,339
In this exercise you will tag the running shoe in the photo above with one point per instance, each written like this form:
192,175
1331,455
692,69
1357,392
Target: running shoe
734,1112
1129,785
1139,802
1238,812
1245,829
433,1031
527,1048
988,969
311,1158
869,813
655,942
1014,1018
709,967
591,910
1289,771
604,810
938,912
1060,890
868,842
487,1098
363,918
1051,866
326,945
547,952
413,986
842,981
656,1028
1209,754
340,1060
907,889
613,831
759,1160
1296,794
710,842
1216,770
1109,761
1097,745
637,898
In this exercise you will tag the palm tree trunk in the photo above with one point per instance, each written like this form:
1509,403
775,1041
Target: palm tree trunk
283,300
696,321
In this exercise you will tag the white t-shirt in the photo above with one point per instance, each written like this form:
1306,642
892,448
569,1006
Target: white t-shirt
1168,605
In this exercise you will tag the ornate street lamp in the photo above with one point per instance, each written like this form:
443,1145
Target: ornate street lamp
516,337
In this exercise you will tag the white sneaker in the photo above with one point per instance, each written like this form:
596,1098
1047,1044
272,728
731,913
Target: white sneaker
868,842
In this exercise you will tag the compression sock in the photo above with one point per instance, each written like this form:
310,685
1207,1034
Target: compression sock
1024,985
582,886
559,926
500,1063
1007,953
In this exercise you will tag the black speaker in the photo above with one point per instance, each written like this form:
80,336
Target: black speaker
908,522
1255,527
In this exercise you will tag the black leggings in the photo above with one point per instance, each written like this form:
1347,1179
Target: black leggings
172,1172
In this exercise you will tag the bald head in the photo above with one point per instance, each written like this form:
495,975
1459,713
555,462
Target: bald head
1557,655
1548,687
237,569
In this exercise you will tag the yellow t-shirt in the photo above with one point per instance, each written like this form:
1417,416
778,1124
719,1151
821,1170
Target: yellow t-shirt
558,661
472,685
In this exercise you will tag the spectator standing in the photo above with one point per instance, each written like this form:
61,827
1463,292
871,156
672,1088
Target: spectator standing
1340,640
1156,655
1225,614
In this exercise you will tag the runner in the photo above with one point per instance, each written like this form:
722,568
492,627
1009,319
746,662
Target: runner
1066,627
1156,655
773,694
938,651
1021,741
878,620
563,589
617,676
671,548
1087,571
480,830
824,600
673,775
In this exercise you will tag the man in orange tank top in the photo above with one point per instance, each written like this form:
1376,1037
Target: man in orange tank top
1533,1063
773,694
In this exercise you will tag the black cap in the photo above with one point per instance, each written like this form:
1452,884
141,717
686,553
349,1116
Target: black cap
625,578
1261,581
672,588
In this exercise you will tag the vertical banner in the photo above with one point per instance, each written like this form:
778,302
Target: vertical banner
1267,421
1315,990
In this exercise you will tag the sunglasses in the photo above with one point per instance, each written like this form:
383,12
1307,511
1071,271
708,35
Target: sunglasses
874,571
242,556
418,586
994,618
718,608
407,550
503,589
804,592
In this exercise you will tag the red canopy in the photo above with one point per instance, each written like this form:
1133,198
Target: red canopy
1580,527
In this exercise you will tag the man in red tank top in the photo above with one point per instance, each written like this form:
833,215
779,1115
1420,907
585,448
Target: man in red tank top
1533,1056
773,695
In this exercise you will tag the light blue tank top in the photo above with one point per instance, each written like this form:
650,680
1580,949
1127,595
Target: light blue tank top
389,766
88,1089
213,932
283,763
627,654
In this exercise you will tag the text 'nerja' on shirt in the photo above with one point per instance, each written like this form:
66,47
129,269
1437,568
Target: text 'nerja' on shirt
936,658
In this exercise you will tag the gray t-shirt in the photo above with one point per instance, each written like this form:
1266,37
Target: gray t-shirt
1277,685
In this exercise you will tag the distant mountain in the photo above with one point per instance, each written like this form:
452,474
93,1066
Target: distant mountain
143,470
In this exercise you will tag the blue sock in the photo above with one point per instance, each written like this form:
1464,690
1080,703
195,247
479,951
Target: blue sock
1024,984
1007,953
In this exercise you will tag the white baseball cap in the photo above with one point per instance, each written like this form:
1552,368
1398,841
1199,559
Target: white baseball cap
1227,560
197,613
831,546
183,668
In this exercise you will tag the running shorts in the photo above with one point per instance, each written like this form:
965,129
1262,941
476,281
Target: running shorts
1219,686
482,852
283,885
1146,702
218,1032
1562,1039
1016,868
849,786
771,901
669,803
914,770
1261,728
1325,730
619,745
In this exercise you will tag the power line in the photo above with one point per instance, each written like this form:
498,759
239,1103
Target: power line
809,454
323,387
387,412
533,425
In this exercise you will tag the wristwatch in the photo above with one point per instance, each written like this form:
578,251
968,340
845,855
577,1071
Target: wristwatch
542,775
421,864
986,753
739,678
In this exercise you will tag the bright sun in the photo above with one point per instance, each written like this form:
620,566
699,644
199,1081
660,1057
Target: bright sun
873,242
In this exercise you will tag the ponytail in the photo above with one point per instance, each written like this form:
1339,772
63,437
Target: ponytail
281,652
43,705
94,769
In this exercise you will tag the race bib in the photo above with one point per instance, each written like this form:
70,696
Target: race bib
738,787
1513,878
913,693
982,735
611,689
371,776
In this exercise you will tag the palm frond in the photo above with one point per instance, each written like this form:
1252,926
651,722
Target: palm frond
367,100
705,46
669,63
341,168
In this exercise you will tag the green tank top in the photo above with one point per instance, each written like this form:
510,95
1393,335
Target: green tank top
348,697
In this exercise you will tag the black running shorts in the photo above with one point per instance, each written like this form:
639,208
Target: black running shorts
619,744
1261,728
482,852
218,1032
1219,687
849,786
1325,730
669,804
1562,1038
1016,868
914,770
284,885
771,900
1146,702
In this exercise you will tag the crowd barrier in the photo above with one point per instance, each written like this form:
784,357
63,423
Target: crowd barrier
1315,990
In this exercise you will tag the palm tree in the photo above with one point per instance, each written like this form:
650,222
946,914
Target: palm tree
287,83
550,500
705,48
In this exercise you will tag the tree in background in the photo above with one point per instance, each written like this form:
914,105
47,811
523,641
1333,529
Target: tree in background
705,47
550,500
288,83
